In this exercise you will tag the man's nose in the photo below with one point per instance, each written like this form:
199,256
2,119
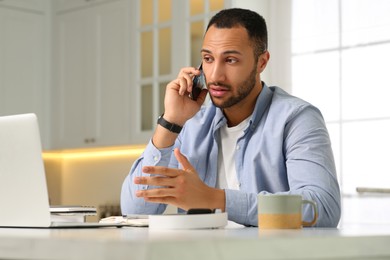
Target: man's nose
217,73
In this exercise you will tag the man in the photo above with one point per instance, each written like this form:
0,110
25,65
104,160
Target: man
252,139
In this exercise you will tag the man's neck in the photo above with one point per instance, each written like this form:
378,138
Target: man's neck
239,112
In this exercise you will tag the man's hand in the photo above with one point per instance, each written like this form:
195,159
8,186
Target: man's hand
179,187
178,106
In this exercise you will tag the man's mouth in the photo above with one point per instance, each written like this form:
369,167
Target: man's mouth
218,90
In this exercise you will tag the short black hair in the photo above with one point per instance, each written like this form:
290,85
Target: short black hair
254,24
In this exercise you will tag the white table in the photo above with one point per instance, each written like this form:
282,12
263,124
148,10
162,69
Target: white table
233,242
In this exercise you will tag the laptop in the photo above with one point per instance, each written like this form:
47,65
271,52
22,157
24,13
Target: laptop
24,199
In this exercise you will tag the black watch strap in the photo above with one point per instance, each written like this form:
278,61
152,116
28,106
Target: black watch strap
168,125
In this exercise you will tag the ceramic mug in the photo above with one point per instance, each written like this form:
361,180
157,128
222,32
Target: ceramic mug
283,211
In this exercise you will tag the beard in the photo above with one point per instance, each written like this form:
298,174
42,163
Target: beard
242,92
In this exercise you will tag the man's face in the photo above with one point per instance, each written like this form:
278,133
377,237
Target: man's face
229,66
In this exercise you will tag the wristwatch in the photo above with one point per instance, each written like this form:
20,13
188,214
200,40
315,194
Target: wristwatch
168,125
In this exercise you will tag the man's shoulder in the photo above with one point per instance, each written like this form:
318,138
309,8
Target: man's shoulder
284,103
285,99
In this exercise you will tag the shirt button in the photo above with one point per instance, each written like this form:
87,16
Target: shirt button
155,158
237,147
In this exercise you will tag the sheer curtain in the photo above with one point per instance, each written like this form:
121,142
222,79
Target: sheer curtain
340,62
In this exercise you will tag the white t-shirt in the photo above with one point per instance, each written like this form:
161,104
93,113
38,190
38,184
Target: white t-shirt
227,176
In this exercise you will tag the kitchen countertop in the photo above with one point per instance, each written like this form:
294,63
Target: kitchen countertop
366,241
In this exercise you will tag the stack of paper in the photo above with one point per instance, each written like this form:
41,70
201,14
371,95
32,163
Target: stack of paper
61,213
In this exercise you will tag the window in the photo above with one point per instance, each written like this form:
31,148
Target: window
164,32
340,62
155,29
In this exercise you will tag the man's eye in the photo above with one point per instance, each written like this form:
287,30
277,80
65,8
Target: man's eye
231,60
207,59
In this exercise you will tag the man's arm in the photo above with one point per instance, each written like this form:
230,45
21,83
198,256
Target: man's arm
178,109
292,156
310,165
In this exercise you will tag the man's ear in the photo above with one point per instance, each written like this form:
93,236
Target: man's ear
262,61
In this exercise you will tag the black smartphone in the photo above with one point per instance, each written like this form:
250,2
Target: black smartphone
199,83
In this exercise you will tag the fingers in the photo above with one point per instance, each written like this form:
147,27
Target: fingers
166,176
154,181
184,80
178,105
174,186
155,193
202,97
183,161
166,188
169,172
183,85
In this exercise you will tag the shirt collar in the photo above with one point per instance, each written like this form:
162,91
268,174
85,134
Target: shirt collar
262,104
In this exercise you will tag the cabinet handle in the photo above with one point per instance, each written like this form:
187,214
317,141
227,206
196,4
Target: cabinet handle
88,140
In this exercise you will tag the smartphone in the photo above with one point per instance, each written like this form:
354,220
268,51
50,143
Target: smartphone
199,83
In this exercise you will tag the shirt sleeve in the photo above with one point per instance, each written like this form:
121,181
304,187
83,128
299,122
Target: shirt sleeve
130,204
310,165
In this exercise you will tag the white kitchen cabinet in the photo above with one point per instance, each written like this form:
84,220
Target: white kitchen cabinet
91,79
23,61
26,5
68,5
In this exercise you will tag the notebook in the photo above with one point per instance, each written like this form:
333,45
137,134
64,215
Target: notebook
24,199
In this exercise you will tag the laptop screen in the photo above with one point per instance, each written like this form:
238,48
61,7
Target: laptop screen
23,190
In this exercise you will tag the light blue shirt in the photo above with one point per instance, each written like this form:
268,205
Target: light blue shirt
284,149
